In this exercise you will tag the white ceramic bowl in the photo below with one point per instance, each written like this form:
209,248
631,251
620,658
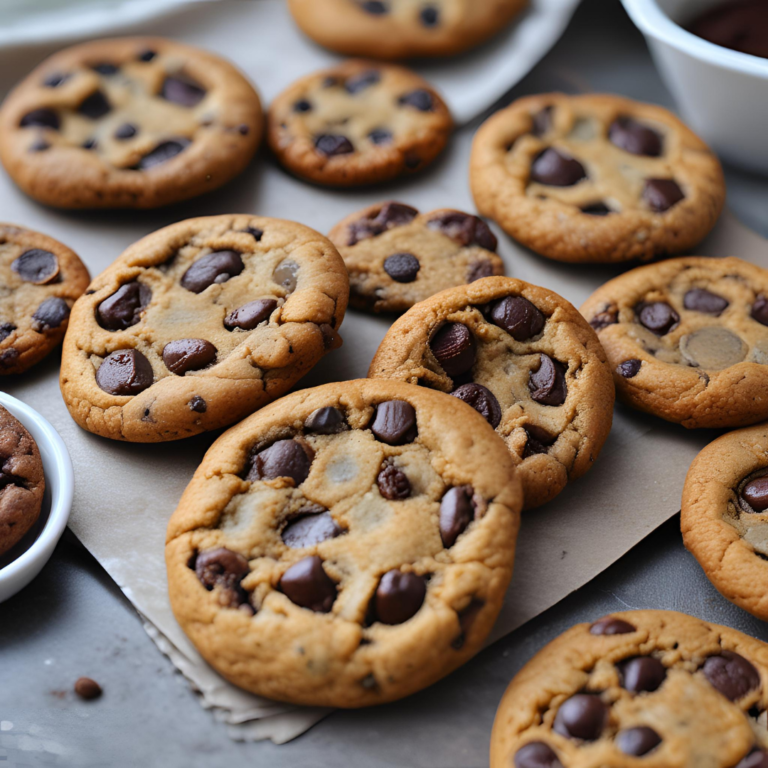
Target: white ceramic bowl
722,94
59,489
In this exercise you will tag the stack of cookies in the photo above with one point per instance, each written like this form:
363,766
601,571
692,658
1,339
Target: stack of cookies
350,544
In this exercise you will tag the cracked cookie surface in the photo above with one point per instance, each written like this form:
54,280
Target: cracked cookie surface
347,545
687,339
358,123
397,256
525,359
134,122
40,279
22,483
723,517
595,178
199,324
661,686
401,29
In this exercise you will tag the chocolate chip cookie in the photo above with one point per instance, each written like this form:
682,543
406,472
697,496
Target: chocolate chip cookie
657,685
595,178
723,516
401,29
525,359
199,324
40,279
134,122
347,545
397,257
358,123
687,339
22,483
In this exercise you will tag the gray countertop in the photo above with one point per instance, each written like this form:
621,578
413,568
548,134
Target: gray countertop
72,620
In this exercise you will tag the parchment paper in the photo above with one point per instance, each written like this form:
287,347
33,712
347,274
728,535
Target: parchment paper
126,493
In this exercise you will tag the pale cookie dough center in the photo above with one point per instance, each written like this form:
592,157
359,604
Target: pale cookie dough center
713,348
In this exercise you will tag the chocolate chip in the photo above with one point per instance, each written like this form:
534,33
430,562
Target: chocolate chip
662,194
374,7
642,674
124,372
36,266
39,145
731,674
418,99
399,597
147,55
8,357
284,458
429,16
596,209
331,144
308,585
402,267
55,79
124,307
455,348
250,315
308,530
539,440
629,368
89,144
634,137
285,275
302,105
184,355
43,117
482,400
518,317
162,153
555,169
87,689
50,314
256,233
95,106
395,422
6,329
702,300
216,267
326,421
758,758
536,754
542,121
547,384
464,229
583,716
126,131
610,625
457,511
198,405
393,483
478,270
105,68
223,569
388,216
658,317
362,81
609,316
182,90
638,741
755,493
760,310
467,618
380,136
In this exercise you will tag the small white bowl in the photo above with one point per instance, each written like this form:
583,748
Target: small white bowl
57,502
722,94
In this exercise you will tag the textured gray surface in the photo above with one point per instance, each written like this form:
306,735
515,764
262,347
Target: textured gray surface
73,621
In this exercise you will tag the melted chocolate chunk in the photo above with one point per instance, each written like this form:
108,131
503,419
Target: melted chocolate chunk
375,7
105,68
310,529
634,137
147,55
223,569
457,511
393,483
536,754
302,105
638,741
629,368
50,314
402,267
539,440
755,493
125,372
583,716
455,348
250,315
541,122
702,300
482,400
184,355
182,90
308,585
395,422
399,597
284,458
760,310
642,674
43,117
731,674
478,270
126,131
658,317
36,266
547,384
518,317
331,144
610,625
429,16
55,79
162,153
662,194
388,216
596,209
216,267
609,316
6,329
380,136
552,168
124,307
95,106
464,229
418,99
198,405
326,421
362,81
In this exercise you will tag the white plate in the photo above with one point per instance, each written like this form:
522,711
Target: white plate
57,502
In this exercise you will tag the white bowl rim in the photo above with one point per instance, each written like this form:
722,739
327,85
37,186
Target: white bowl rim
62,491
651,20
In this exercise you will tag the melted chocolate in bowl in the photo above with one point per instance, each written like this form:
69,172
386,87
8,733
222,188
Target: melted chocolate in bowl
741,26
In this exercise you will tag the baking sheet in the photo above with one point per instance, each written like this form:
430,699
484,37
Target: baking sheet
126,493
